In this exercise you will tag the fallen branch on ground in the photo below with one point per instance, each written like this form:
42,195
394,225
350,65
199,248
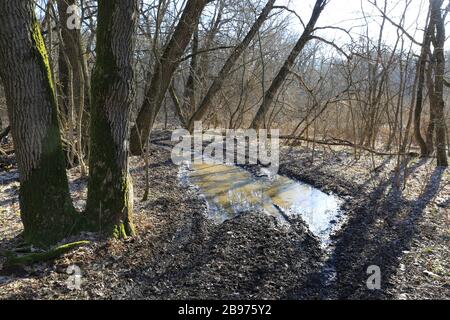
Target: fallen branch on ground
346,143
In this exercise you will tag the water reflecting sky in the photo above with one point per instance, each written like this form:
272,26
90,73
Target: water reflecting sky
230,190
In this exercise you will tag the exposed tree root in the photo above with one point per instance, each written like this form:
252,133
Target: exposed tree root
14,260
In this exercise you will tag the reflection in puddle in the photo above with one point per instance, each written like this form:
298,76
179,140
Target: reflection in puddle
230,190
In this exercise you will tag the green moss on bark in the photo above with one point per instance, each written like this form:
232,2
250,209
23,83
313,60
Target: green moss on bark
109,206
47,211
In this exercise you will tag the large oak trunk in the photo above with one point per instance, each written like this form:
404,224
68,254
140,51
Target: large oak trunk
110,195
46,208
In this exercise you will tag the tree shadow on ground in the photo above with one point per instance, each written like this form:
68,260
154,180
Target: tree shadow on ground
378,232
381,226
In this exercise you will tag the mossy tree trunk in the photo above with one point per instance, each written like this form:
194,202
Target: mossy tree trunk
46,207
110,195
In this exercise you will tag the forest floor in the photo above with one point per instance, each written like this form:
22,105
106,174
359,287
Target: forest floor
179,253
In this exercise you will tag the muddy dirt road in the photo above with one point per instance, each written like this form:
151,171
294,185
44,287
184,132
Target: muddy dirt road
182,253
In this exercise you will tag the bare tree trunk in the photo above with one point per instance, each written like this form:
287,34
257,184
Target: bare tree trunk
72,78
162,75
406,137
419,96
224,72
110,194
189,89
178,108
46,207
438,94
270,94
429,135
186,107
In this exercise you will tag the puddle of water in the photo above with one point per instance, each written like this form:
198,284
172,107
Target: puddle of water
230,190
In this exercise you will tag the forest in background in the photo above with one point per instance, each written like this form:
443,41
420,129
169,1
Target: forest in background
373,90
